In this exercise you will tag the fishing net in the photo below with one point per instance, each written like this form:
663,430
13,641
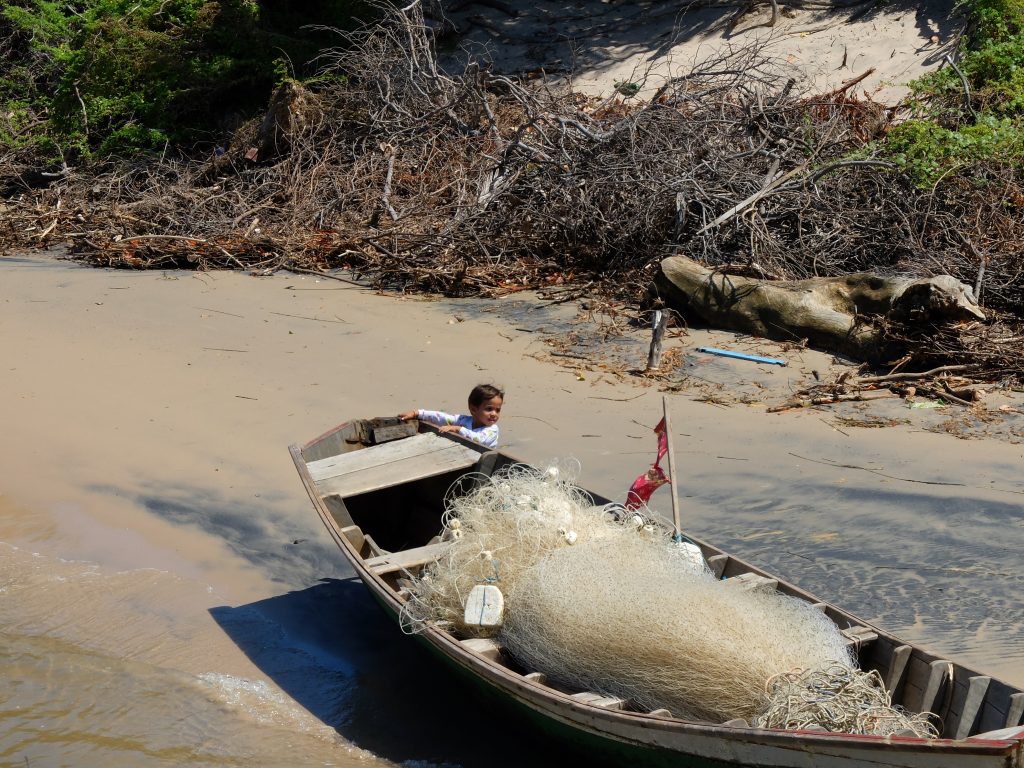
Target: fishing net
498,525
628,616
602,599
842,700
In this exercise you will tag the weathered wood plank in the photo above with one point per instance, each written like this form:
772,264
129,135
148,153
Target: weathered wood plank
717,564
599,700
1016,710
536,677
754,581
897,667
977,687
373,546
941,675
355,535
485,646
915,681
859,636
389,562
384,465
372,456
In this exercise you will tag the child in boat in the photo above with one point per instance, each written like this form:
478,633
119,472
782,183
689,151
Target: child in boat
480,426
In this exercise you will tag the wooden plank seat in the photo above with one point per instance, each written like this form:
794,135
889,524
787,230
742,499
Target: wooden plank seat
406,559
389,464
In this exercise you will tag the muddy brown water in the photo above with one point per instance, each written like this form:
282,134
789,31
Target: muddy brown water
168,596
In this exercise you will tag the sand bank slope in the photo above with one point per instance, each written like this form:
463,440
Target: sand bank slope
604,43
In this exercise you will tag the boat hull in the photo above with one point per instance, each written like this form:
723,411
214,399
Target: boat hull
361,501
607,741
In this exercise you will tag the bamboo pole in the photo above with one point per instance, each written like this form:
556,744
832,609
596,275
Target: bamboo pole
671,470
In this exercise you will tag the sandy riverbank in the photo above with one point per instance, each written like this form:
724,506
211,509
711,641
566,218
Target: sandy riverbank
602,43
146,423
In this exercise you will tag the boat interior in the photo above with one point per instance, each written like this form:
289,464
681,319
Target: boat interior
387,505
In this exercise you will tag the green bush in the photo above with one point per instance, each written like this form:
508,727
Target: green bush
954,125
926,150
115,76
994,21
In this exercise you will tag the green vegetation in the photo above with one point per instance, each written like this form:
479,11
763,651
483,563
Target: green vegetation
94,78
974,110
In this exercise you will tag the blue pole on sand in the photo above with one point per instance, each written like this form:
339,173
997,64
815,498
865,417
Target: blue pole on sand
741,356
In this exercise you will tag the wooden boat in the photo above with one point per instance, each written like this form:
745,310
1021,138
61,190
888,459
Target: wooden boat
378,485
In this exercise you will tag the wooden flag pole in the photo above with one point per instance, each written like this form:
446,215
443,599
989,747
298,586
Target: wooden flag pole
671,469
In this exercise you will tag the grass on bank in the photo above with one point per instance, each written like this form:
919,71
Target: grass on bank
970,110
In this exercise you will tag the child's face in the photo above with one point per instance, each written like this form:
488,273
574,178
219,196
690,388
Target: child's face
487,413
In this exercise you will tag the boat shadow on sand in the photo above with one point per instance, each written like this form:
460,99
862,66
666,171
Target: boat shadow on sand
333,651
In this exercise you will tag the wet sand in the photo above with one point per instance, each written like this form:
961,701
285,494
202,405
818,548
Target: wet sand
152,523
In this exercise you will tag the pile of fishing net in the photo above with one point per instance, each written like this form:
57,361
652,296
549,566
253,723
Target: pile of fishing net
627,617
499,526
842,700
601,599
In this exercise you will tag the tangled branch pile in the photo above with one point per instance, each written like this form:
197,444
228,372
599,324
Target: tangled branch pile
481,183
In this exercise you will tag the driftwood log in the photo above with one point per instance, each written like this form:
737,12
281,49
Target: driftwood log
831,313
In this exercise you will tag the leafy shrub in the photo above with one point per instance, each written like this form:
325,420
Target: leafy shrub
973,110
927,150
112,76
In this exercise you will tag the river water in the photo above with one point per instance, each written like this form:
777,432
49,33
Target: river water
168,597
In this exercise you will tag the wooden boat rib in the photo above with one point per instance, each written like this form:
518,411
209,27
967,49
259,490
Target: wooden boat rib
382,501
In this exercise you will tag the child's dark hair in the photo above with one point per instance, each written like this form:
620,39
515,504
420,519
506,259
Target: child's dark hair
483,392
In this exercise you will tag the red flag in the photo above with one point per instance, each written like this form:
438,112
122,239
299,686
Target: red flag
644,486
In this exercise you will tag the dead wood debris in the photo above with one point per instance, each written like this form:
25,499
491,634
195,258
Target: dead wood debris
484,184
951,384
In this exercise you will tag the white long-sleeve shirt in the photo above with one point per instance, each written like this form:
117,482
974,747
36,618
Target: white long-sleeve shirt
485,436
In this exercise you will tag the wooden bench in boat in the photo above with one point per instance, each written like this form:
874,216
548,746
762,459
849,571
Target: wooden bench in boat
385,465
406,559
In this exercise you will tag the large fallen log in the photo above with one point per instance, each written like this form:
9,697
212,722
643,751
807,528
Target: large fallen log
832,313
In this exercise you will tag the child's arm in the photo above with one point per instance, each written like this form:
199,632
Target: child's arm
440,418
487,437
